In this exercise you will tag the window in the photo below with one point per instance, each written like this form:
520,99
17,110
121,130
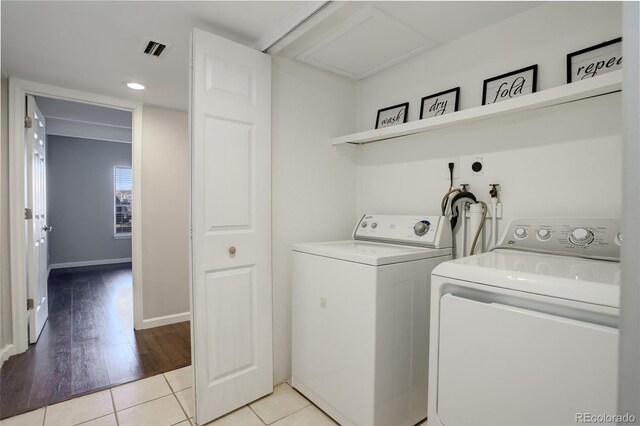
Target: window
122,186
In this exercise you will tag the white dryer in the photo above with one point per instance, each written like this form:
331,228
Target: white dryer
361,319
527,334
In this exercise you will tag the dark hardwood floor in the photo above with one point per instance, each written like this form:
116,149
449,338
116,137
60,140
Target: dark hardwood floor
88,343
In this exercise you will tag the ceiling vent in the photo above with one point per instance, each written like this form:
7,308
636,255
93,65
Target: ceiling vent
155,48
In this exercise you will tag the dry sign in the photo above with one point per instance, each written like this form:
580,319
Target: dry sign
595,60
439,103
510,85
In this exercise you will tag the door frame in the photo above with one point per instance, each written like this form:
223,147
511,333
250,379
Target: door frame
18,89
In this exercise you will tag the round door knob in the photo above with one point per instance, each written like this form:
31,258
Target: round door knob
421,228
581,237
520,233
544,234
232,250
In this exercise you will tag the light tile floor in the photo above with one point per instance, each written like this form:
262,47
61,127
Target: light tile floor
166,400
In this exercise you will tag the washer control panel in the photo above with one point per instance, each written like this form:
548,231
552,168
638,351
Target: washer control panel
598,238
428,231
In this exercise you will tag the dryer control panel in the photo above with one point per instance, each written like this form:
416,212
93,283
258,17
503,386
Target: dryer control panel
427,231
596,238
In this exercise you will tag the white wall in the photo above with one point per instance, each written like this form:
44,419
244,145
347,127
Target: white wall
564,160
165,215
314,186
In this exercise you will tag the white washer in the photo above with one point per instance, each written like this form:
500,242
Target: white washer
361,319
528,334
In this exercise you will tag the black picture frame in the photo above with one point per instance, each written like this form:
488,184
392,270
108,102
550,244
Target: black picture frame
534,86
406,113
455,90
571,55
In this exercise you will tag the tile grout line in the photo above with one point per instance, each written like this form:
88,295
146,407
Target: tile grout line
257,415
176,397
44,418
113,404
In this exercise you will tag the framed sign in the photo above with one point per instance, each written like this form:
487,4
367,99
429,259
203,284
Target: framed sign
599,59
439,103
510,85
392,115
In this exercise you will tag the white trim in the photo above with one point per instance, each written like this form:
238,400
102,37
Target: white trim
18,89
89,263
165,320
295,26
5,353
55,133
82,130
93,123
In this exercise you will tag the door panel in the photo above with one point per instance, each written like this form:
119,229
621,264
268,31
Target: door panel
37,241
231,225
229,171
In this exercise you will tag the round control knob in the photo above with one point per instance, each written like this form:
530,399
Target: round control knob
374,225
364,224
581,237
520,233
544,234
421,228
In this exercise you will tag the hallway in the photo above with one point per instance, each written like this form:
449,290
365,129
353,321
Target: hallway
89,343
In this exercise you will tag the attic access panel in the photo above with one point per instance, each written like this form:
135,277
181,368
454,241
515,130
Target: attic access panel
370,42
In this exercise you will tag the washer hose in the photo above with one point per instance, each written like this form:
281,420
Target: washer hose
485,209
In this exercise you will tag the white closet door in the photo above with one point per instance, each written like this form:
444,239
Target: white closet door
231,225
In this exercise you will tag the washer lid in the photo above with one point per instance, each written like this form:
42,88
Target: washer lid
369,253
591,281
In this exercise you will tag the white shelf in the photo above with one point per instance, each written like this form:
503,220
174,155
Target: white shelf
603,84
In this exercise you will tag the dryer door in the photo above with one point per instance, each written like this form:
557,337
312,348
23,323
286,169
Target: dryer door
501,365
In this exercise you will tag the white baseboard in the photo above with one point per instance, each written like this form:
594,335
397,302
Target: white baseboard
165,320
89,263
5,353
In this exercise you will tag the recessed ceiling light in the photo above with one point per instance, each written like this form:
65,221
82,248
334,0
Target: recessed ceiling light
136,86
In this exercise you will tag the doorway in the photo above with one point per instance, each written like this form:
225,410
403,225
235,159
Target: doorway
66,361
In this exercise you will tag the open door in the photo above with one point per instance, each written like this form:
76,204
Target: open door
36,226
230,119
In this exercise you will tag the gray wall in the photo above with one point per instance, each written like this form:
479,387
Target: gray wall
165,213
80,199
5,277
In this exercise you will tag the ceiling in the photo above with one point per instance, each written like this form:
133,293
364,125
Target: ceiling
95,46
86,121
394,31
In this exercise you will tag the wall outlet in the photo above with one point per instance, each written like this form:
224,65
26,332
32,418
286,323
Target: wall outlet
456,168
477,166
